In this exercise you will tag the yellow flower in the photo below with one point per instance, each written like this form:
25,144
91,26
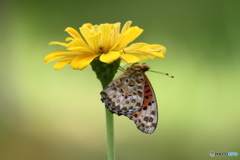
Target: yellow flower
106,42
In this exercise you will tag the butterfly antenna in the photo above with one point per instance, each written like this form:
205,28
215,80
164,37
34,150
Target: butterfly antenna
119,68
166,74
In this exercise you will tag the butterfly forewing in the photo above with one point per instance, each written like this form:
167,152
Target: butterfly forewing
132,95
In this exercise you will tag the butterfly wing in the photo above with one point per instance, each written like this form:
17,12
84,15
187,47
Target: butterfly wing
147,117
124,95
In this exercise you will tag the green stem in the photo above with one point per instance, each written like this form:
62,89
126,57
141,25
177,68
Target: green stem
110,135
110,130
105,73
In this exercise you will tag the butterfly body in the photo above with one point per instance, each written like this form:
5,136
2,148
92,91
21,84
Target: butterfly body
132,95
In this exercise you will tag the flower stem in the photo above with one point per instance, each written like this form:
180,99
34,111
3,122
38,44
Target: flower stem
110,135
110,131
105,73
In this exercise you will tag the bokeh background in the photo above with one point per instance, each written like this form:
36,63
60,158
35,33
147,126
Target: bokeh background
57,115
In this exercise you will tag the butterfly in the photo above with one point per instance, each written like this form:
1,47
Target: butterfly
132,95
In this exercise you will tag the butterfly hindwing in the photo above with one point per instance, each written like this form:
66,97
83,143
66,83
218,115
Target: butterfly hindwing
124,95
147,117
132,95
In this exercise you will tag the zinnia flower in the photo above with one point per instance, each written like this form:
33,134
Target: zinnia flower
105,42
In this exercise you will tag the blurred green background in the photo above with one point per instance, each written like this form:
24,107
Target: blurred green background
57,115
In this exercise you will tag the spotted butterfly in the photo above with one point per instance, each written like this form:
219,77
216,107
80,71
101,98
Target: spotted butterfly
132,95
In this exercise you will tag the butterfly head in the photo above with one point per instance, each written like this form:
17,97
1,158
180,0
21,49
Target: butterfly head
134,67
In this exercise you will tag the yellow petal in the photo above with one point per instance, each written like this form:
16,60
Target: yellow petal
105,30
83,60
123,62
118,24
73,32
76,35
129,58
59,43
53,58
155,48
86,32
126,26
115,34
128,36
50,56
93,42
109,57
80,49
60,64
77,43
95,29
88,26
145,51
135,46
144,57
153,54
69,39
